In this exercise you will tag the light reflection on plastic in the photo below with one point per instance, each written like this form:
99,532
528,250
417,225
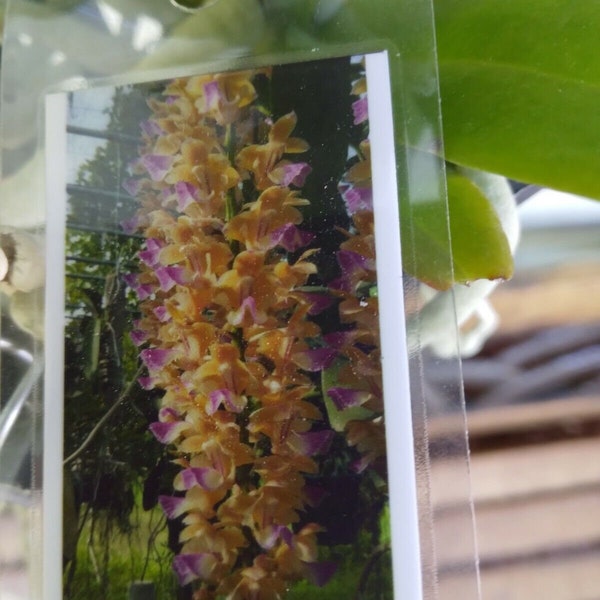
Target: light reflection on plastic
57,58
9,347
112,17
25,39
193,9
147,31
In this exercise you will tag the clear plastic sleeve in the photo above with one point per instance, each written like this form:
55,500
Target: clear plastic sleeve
60,60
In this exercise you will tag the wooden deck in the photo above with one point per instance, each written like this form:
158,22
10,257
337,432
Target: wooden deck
537,503
534,432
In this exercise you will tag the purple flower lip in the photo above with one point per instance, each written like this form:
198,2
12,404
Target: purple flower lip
287,173
132,186
344,398
339,339
173,506
247,308
315,359
212,95
147,383
131,225
227,398
291,238
360,110
166,413
162,314
155,358
272,533
341,284
351,262
131,279
142,290
247,312
168,277
359,465
311,442
186,194
151,254
205,477
157,165
318,302
215,400
166,433
151,128
138,337
189,567
356,198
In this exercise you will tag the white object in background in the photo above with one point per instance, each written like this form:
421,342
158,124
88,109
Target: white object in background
549,209
23,255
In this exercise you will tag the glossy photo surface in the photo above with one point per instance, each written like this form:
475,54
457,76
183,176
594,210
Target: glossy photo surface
231,242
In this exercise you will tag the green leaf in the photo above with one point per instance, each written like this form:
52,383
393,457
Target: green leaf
480,248
92,329
425,243
520,86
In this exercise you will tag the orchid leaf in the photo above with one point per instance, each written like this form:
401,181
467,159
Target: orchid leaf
425,243
520,86
92,330
480,248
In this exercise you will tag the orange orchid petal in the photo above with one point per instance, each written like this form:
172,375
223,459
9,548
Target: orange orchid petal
282,128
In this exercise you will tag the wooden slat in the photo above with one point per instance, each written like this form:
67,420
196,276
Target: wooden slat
565,295
577,578
521,472
523,529
566,412
537,505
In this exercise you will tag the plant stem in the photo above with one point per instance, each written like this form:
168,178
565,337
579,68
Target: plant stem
94,432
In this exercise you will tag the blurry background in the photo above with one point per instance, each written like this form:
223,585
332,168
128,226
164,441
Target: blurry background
533,410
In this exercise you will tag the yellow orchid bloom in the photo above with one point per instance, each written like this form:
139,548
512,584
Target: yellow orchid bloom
261,159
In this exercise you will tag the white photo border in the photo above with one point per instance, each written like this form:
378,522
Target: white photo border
54,350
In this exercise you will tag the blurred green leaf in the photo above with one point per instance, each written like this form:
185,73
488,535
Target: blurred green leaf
425,241
520,86
92,329
479,246
480,249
